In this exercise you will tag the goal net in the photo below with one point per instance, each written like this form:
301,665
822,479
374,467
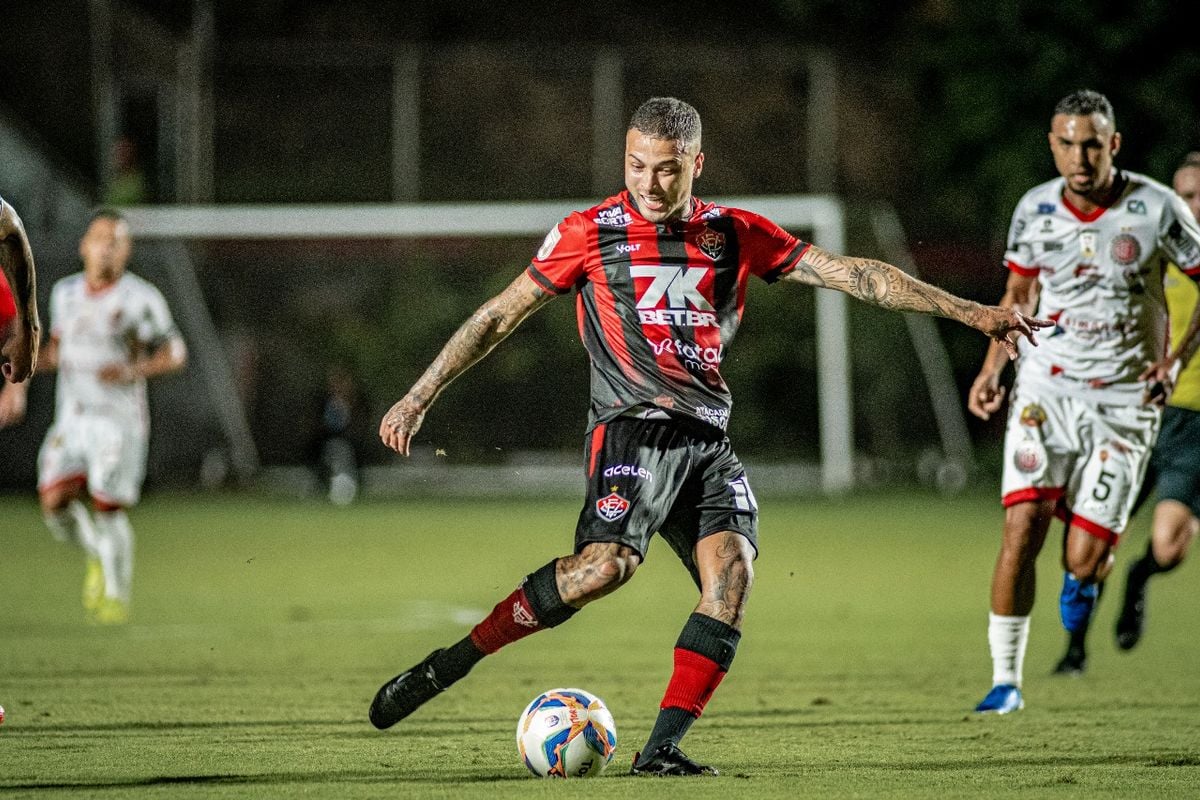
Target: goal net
282,297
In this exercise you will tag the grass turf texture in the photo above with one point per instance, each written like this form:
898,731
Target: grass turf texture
262,628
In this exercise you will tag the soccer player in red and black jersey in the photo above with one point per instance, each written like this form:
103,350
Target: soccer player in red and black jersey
660,279
20,330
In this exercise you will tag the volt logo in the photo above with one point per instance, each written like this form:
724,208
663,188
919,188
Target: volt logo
680,285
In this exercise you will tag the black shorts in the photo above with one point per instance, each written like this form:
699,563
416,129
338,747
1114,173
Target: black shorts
680,480
1176,458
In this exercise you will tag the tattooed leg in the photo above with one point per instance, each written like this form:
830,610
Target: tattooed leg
725,561
601,568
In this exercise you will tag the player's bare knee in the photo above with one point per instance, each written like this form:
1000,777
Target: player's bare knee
597,570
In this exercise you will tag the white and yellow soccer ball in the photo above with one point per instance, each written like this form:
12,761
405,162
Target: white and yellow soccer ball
566,733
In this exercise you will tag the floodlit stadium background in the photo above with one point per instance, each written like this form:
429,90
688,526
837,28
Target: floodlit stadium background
935,112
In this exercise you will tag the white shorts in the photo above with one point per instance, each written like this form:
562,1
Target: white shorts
1089,457
107,453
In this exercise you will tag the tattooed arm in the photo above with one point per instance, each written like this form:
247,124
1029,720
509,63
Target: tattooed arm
889,287
485,329
986,394
20,349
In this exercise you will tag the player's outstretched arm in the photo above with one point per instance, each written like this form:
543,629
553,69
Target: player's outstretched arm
16,259
986,394
889,287
485,329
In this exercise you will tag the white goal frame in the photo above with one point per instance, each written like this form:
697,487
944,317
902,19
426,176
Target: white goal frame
820,217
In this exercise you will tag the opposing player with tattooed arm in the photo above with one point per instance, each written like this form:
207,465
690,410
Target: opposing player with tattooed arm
659,278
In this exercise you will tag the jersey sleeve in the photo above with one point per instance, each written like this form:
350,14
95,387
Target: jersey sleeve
155,324
561,261
1179,236
772,252
1018,253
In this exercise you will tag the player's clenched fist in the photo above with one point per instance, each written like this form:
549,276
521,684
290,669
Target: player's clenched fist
400,423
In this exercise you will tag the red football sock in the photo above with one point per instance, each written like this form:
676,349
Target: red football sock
693,682
510,620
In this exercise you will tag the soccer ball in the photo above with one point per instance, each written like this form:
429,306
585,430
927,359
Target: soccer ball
566,733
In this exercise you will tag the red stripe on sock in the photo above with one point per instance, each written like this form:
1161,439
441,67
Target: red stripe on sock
510,620
693,682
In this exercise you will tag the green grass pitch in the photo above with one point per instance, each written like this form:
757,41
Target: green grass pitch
262,627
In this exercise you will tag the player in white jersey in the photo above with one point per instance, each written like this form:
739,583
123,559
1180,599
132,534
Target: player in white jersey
109,331
1086,250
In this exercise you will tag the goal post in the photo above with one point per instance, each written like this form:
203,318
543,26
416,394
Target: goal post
819,218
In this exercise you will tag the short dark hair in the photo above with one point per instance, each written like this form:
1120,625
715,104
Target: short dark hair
106,212
667,118
1086,102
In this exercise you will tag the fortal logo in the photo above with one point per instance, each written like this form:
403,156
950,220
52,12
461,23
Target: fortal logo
679,287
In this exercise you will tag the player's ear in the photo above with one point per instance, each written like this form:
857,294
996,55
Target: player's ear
1115,143
699,165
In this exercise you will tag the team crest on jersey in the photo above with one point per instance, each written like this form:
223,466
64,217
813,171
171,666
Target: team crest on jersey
1028,456
1125,249
1033,416
711,243
612,507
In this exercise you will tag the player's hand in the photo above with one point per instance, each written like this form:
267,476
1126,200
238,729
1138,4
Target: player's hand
986,395
1007,326
21,352
117,373
12,404
1160,378
400,424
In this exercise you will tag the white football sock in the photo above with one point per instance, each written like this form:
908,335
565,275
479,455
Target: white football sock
73,525
1007,637
115,540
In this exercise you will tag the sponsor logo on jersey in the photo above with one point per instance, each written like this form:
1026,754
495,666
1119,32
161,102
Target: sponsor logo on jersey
1050,247
614,217
679,289
1136,207
707,359
1125,249
711,243
612,507
1033,416
1046,208
628,470
718,417
713,213
552,239
628,248
1028,456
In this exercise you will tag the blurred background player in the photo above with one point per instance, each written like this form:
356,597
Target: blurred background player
1085,250
20,329
109,331
660,278
1175,463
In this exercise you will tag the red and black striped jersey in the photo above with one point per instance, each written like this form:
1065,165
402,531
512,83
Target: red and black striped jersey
8,305
658,304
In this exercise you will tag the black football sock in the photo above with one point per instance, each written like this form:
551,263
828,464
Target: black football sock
456,661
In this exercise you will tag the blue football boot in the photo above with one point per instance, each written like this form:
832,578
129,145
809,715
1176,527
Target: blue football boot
1004,698
1076,601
